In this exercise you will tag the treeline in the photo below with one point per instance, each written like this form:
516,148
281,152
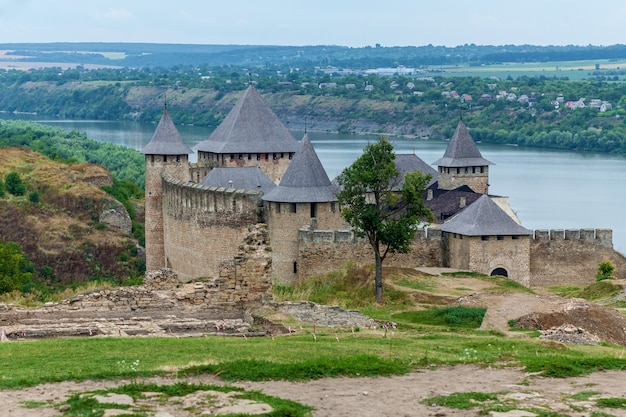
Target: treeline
125,164
169,55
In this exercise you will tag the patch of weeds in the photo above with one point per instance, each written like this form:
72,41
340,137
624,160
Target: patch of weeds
35,404
600,414
545,413
464,317
464,274
82,405
568,365
584,395
613,402
463,400
281,406
414,284
308,369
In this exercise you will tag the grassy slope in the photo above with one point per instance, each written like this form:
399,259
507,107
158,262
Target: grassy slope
62,230
416,342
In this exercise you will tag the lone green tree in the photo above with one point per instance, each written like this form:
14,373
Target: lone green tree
377,208
13,267
14,185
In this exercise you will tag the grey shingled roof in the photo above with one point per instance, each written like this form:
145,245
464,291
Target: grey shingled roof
484,218
305,180
166,139
406,163
250,127
242,178
462,151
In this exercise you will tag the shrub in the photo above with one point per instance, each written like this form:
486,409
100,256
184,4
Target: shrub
33,196
605,271
2,191
14,185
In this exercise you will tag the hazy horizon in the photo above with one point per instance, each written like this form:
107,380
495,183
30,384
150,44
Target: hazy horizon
298,23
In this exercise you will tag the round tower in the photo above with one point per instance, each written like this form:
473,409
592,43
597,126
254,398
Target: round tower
166,153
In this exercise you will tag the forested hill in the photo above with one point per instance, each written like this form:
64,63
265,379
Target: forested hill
529,111
171,55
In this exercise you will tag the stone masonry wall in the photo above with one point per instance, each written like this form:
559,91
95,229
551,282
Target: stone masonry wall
572,256
322,251
203,226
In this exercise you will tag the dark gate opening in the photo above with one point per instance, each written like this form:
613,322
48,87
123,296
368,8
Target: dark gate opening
501,272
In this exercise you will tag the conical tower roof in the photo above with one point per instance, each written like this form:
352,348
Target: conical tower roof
166,139
250,127
305,180
484,218
462,151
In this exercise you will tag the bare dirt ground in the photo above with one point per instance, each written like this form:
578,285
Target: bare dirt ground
379,397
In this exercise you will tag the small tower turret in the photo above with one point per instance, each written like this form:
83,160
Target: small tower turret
463,164
166,153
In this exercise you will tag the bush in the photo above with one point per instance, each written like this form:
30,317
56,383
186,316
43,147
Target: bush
2,191
33,196
605,271
14,185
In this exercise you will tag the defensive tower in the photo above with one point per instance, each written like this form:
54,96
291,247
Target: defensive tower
166,153
305,197
463,164
250,135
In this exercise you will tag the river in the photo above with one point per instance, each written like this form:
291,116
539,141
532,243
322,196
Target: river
548,189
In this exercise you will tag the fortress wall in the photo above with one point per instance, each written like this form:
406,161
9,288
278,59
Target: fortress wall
203,226
322,251
572,256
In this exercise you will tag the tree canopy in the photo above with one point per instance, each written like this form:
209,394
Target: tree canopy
382,206
14,267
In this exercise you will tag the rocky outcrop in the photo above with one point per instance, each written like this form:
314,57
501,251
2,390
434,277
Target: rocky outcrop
117,218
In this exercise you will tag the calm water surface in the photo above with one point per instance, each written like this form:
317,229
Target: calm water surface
547,188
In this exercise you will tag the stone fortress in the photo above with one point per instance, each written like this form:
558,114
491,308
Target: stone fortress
254,184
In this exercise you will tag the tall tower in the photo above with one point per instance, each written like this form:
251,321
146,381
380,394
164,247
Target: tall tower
304,197
250,135
462,164
166,153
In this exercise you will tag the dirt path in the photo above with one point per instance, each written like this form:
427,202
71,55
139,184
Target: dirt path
381,397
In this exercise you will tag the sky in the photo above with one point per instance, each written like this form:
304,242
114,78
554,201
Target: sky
316,22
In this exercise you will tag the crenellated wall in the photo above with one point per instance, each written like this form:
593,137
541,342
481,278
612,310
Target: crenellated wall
572,256
204,226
